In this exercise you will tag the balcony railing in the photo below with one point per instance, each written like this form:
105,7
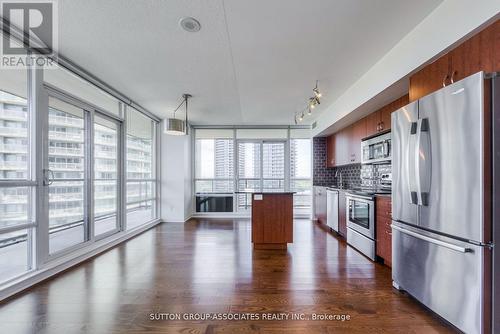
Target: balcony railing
68,136
76,152
66,166
139,146
13,148
14,165
14,115
66,121
13,132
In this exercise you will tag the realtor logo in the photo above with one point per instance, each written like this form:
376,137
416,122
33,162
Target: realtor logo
35,24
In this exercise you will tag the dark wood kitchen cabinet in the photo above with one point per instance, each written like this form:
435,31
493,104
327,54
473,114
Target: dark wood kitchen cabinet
330,151
342,147
356,132
373,123
380,120
478,53
383,228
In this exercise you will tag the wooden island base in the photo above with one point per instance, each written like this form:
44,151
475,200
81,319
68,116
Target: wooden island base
270,246
272,220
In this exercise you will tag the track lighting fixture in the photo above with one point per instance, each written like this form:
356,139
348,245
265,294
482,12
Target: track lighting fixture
316,91
312,102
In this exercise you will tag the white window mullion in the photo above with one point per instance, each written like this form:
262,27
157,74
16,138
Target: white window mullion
39,108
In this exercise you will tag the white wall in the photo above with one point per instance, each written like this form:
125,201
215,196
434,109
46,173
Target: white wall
176,178
440,30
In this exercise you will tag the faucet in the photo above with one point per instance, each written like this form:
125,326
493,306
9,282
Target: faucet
338,175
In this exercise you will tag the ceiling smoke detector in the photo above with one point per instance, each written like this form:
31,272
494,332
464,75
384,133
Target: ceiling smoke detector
190,24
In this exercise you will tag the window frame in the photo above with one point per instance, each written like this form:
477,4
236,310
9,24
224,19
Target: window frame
155,167
287,164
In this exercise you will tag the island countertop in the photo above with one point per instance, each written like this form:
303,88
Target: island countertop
266,192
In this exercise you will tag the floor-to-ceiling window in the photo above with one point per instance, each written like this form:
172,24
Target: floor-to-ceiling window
106,174
141,169
17,180
230,164
62,169
214,170
261,157
301,169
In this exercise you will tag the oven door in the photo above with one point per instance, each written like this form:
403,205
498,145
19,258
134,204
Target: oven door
360,215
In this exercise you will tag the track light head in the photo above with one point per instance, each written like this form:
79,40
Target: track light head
317,93
312,102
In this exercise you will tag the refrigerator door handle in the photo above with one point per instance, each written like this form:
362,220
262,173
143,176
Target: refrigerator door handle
423,162
410,166
432,240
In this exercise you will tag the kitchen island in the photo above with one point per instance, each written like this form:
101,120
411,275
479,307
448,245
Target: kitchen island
272,220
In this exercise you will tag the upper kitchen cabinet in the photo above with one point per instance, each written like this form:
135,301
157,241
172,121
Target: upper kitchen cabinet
380,120
431,78
357,131
373,123
330,151
342,147
479,53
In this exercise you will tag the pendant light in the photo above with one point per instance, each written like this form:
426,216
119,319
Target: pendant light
176,126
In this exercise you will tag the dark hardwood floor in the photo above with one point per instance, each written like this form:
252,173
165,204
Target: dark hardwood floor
208,266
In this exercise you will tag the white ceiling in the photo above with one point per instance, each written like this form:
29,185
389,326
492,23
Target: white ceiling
253,62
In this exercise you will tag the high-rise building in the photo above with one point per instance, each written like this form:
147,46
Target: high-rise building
66,157
223,164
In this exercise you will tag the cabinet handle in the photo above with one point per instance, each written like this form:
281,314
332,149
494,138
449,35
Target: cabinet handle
452,75
444,80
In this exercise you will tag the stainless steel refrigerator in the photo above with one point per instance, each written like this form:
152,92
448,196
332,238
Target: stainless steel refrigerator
443,202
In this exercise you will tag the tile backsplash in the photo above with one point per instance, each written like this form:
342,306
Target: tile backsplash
353,176
322,176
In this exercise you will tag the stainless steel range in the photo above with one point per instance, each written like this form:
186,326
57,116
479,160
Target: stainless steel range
360,208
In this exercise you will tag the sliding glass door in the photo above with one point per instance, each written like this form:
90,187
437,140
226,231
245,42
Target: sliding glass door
261,167
65,176
83,173
106,149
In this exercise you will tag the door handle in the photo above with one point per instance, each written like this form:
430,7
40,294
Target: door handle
432,240
444,80
410,163
48,177
452,76
423,162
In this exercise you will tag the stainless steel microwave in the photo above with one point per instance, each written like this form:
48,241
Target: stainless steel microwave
376,149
